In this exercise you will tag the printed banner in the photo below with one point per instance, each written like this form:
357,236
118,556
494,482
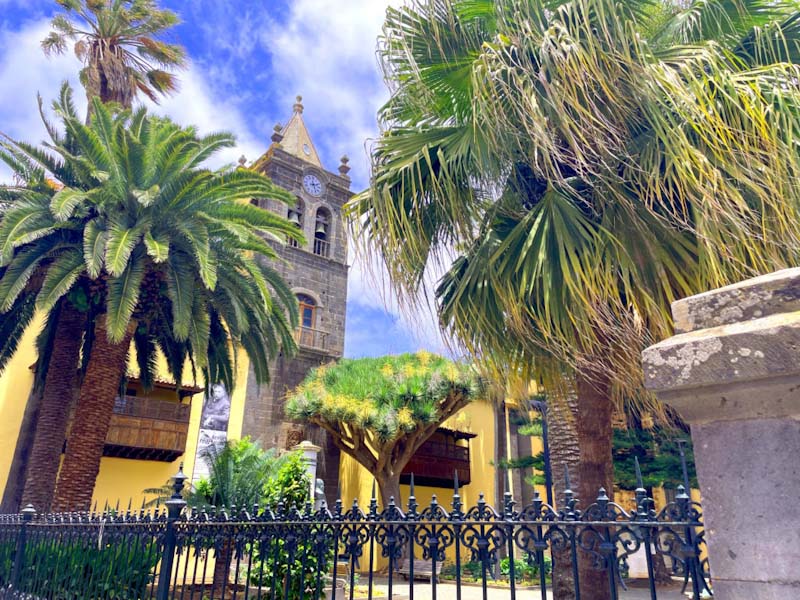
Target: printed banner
213,428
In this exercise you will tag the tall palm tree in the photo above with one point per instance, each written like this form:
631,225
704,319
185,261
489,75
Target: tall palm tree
56,375
589,161
142,230
120,43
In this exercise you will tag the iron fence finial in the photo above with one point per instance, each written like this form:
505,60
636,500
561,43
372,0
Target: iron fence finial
28,513
178,481
639,480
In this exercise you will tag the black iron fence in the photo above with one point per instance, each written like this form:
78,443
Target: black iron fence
173,552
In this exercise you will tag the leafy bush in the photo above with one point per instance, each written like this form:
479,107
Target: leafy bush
240,473
290,485
78,568
524,571
470,571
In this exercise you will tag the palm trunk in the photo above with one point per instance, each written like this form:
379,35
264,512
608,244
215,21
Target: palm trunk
58,394
107,366
222,570
15,483
595,471
564,454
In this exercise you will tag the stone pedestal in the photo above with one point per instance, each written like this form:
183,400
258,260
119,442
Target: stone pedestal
733,373
310,454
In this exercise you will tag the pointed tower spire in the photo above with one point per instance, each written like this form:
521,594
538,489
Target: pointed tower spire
296,140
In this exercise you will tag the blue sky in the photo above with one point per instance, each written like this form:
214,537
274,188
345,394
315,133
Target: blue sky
248,61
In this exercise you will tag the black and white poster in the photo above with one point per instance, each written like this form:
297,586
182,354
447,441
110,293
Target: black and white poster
213,427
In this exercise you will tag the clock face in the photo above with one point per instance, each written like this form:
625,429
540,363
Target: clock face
312,185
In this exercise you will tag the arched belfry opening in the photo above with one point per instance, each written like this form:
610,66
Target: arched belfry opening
296,216
322,233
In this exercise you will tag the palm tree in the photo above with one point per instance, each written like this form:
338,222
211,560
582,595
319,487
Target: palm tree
141,230
119,42
589,161
56,379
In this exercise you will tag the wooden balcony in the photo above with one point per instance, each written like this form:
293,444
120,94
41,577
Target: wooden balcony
306,337
147,429
438,460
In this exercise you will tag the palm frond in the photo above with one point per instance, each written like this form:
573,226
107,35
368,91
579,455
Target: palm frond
123,296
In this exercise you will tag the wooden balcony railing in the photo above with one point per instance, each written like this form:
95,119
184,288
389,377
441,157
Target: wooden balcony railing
306,337
435,464
322,247
148,429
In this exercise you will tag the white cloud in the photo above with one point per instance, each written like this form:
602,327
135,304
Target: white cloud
325,50
195,104
24,71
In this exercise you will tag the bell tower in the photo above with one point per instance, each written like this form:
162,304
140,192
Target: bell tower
317,273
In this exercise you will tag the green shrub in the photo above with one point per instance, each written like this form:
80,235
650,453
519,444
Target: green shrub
78,567
525,570
291,485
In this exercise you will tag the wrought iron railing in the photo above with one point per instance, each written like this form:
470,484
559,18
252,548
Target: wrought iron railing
288,554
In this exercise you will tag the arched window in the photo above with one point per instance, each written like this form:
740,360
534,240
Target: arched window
322,228
308,311
296,215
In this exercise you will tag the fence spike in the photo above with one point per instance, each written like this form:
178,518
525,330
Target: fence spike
639,480
455,481
567,483
412,499
508,505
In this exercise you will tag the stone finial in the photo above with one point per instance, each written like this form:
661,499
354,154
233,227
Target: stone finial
298,105
344,169
277,135
242,161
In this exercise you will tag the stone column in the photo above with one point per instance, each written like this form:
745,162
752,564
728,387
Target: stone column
310,454
733,373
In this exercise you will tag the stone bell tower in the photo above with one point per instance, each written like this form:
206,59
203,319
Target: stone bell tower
316,273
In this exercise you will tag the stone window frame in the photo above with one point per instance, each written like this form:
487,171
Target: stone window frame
319,311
